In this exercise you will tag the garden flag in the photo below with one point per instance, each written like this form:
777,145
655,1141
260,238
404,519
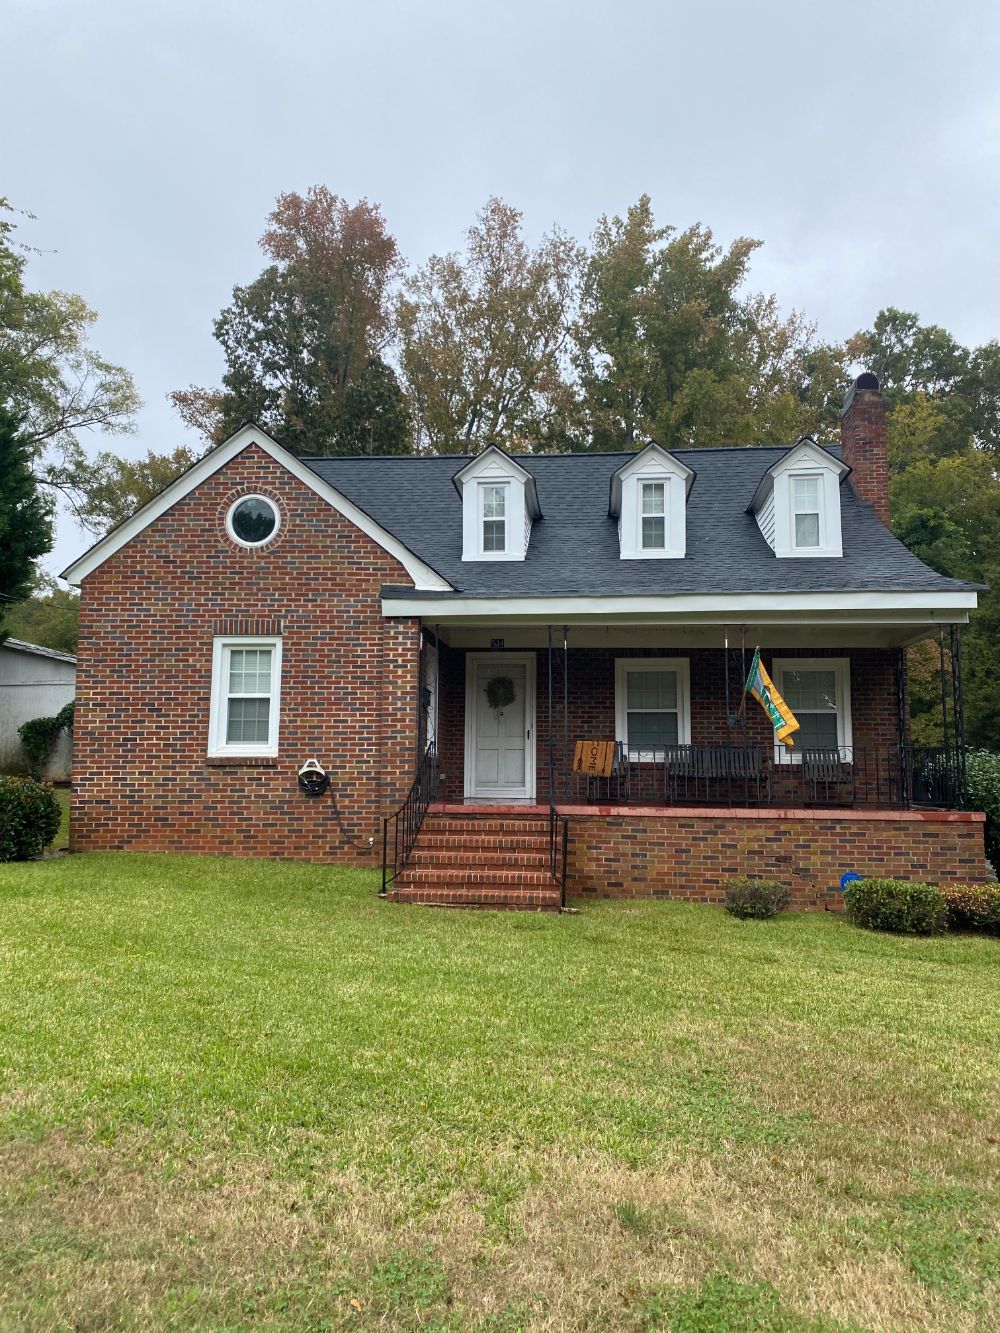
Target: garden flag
761,686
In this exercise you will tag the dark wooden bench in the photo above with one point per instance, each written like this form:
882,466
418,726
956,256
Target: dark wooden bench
716,772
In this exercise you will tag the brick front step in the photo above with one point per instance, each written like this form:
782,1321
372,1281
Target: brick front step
511,860
483,858
479,895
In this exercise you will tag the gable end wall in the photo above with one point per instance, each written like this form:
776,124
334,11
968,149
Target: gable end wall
142,779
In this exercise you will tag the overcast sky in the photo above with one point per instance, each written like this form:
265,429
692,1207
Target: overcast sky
859,141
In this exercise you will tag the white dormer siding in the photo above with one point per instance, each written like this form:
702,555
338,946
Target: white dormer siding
797,504
649,499
499,505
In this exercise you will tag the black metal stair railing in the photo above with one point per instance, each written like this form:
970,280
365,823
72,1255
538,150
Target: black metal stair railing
400,829
558,849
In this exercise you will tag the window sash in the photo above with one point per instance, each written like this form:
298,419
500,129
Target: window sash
652,705
246,683
817,690
806,511
653,515
493,516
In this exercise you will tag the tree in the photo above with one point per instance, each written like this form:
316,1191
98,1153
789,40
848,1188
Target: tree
668,347
25,515
50,376
485,335
50,616
375,417
116,487
297,337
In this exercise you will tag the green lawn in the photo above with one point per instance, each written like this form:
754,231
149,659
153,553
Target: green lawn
236,1094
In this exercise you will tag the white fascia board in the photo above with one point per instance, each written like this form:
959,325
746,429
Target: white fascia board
423,576
718,608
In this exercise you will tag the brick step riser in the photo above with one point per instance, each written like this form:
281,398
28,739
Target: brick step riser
431,856
487,828
475,893
461,877
501,842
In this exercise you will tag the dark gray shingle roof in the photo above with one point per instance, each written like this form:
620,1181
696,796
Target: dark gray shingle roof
574,547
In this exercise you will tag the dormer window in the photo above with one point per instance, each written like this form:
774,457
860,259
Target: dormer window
649,499
797,502
806,511
653,515
494,509
499,505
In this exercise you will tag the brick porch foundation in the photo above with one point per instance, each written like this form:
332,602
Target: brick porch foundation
689,853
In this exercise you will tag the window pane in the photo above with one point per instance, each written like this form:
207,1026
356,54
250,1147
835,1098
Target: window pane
250,671
494,501
652,497
810,689
651,689
817,731
247,721
494,535
806,491
807,529
654,534
651,731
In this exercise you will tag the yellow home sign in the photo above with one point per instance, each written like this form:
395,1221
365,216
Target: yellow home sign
595,758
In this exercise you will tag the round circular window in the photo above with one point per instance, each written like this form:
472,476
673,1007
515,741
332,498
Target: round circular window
253,520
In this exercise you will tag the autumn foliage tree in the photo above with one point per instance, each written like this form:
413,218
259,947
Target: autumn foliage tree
314,323
484,338
668,346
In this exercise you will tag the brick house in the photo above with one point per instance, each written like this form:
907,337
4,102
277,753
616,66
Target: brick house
438,634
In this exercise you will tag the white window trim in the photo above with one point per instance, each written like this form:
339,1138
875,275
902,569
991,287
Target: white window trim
272,505
507,489
822,545
841,666
643,482
218,746
682,666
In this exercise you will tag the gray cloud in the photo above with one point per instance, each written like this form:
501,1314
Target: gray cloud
859,141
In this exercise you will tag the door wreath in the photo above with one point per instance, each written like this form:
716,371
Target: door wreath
500,693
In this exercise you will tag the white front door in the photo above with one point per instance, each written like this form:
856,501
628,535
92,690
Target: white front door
500,739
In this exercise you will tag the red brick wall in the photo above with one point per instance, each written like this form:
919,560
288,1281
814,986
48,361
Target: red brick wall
141,778
688,855
874,706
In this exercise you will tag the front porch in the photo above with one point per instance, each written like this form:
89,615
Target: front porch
696,790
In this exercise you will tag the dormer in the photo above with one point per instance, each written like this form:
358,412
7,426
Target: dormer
797,503
499,505
649,499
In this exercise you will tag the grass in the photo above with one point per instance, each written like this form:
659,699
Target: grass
241,1094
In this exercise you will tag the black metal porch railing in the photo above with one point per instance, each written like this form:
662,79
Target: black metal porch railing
400,829
558,849
894,777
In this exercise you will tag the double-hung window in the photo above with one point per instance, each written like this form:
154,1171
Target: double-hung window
806,524
652,705
246,696
493,501
818,691
653,515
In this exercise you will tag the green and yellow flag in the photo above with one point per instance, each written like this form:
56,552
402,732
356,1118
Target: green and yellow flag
761,686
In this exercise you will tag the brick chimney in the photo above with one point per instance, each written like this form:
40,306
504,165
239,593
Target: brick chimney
863,437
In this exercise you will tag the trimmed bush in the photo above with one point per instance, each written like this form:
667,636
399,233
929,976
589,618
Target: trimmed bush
755,899
982,771
973,907
29,818
896,905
